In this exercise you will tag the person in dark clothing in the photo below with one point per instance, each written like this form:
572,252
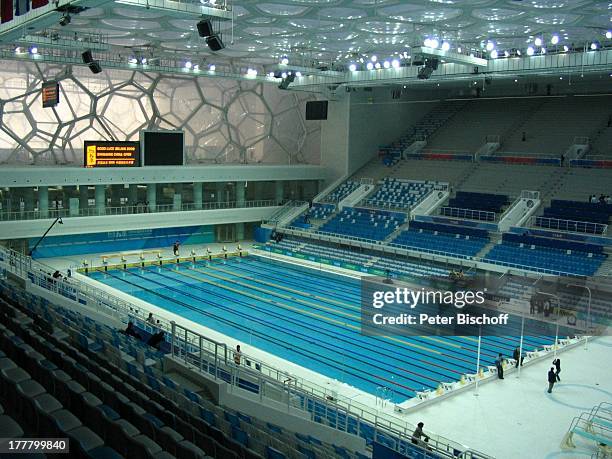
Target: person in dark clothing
156,339
175,248
557,364
499,364
552,378
131,330
516,355
562,159
57,275
602,199
418,434
524,138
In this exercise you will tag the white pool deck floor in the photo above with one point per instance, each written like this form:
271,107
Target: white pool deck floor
514,418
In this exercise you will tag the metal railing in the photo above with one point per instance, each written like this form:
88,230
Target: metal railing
416,252
472,214
212,357
133,209
569,225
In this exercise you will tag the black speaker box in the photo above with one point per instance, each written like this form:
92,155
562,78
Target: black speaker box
214,43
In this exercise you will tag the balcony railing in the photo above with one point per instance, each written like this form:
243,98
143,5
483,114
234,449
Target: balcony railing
137,209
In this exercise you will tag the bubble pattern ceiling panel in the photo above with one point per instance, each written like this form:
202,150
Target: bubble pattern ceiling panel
465,22
223,120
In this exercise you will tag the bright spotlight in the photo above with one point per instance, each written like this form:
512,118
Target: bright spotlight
565,48
555,39
518,52
144,61
33,50
386,64
538,41
506,54
395,64
459,49
530,51
133,60
609,34
494,54
434,42
369,66
271,74
188,65
377,65
427,42
352,67
284,60
284,75
212,67
543,51
445,46
490,46
298,74
593,46
196,67
374,58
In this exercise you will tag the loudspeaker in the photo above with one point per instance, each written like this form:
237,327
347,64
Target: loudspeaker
205,28
214,43
87,57
95,67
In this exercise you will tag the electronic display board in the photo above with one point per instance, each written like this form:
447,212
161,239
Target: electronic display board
50,94
102,153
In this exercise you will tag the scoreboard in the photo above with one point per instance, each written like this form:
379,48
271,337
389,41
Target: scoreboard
50,94
111,154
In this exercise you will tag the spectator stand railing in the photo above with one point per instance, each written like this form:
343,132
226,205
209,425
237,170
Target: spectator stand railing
568,225
133,209
470,214
212,357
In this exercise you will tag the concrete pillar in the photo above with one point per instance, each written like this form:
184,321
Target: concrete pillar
133,194
197,195
239,231
28,196
220,192
177,202
100,199
279,191
152,196
240,193
73,206
115,195
43,201
83,197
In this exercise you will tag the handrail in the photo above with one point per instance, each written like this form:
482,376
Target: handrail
392,248
189,346
134,209
597,228
485,213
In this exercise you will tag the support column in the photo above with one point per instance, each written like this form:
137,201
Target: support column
43,201
197,195
133,194
279,191
83,197
101,199
220,192
177,200
240,193
28,197
152,196
239,231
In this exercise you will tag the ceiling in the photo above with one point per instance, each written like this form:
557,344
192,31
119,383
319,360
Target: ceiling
311,32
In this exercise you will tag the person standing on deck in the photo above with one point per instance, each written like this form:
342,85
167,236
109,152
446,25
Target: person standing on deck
499,364
552,378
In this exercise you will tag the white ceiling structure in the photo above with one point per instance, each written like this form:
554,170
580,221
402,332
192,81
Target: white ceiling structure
336,33
329,30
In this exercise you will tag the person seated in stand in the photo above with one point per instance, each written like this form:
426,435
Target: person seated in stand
131,331
57,275
156,340
419,437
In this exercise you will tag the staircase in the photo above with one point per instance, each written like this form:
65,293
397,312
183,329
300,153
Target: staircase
521,122
606,267
395,233
495,238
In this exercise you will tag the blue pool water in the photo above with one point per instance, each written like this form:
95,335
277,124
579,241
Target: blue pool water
308,317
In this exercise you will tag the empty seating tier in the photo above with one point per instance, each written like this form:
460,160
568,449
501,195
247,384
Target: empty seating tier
434,237
342,191
364,223
547,255
400,193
